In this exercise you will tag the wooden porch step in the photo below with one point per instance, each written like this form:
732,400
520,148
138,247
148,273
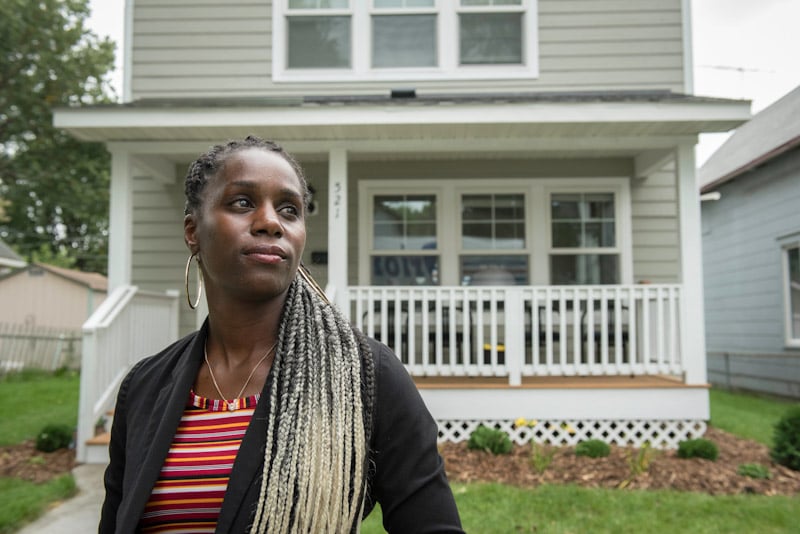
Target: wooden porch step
100,439
554,382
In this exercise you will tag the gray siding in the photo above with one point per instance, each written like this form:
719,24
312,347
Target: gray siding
207,48
655,228
742,258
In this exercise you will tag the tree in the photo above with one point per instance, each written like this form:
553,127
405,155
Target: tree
55,187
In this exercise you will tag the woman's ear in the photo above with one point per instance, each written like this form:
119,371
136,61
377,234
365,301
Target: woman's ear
190,232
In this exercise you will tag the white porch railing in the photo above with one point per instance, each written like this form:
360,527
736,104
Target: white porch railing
129,325
518,331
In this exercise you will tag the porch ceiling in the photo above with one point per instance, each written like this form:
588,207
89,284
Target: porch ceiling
554,124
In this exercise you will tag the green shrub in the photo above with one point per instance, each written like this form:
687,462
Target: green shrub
698,448
593,448
786,439
541,457
53,437
489,440
754,471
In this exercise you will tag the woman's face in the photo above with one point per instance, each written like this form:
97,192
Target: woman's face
250,228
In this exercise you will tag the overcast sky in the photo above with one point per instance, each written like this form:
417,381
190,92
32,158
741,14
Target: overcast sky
744,49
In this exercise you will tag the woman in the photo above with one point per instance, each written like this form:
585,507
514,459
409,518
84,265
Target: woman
277,415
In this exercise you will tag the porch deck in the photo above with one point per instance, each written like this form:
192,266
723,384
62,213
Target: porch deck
555,382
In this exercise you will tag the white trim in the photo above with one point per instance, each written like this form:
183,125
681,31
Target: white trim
337,226
127,58
446,12
538,113
688,47
692,315
536,191
788,243
120,224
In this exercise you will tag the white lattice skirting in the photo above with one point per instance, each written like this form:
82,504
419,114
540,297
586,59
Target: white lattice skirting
659,434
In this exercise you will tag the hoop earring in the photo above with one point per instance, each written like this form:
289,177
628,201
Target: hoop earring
199,281
305,274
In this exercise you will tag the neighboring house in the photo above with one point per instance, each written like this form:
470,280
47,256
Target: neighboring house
48,296
751,253
9,259
506,193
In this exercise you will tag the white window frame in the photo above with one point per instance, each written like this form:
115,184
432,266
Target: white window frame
537,219
788,243
622,228
447,12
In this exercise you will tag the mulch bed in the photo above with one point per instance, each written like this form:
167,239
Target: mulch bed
665,470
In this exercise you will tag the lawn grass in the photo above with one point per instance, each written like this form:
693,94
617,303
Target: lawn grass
33,399
25,501
748,416
495,508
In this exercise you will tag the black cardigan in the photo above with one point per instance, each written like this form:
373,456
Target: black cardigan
408,481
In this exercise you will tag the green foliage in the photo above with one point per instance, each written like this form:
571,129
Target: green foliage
53,437
23,501
490,440
559,509
698,448
541,457
593,448
754,471
786,450
38,398
746,415
54,187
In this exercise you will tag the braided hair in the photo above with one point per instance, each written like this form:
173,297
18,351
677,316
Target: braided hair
212,162
322,396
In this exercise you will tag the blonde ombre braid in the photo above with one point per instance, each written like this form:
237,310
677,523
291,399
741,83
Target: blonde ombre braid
319,422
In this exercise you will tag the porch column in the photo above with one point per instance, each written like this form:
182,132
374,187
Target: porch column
337,228
692,328
120,222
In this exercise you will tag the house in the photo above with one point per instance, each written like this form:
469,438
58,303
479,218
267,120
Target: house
751,253
9,259
50,296
505,190
42,310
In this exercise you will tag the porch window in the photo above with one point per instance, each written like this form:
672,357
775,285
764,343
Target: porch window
357,40
792,294
404,240
583,239
491,226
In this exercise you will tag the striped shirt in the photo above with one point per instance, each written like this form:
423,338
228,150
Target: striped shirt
188,494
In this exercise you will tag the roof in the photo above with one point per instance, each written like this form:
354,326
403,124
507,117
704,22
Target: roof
767,135
9,257
93,281
373,122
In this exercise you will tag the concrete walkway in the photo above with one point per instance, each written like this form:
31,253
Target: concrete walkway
79,514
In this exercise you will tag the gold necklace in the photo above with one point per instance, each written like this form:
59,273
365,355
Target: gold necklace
232,403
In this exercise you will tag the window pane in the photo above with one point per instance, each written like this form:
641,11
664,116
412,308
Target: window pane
490,38
509,235
584,269
491,2
477,236
405,270
318,4
493,222
404,3
404,222
319,42
503,270
509,207
794,290
583,220
404,41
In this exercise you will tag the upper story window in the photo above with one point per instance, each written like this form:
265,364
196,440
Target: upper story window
791,293
344,40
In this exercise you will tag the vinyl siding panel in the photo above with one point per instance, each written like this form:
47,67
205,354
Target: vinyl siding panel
655,226
204,48
742,258
159,253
